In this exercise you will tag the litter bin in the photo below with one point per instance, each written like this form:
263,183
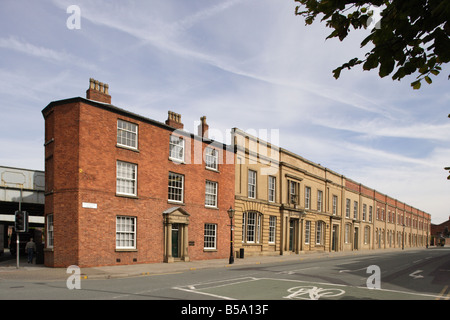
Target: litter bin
241,253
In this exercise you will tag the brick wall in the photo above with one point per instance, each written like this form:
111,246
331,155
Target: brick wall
81,167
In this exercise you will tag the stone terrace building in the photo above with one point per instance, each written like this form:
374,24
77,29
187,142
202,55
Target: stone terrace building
286,204
123,189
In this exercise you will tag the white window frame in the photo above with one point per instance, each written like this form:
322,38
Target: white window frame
126,178
347,233
211,158
364,213
251,224
126,232
211,194
127,134
355,210
244,226
272,228
271,189
320,226
319,200
307,231
50,234
176,148
335,204
252,184
347,208
307,197
293,192
175,191
210,236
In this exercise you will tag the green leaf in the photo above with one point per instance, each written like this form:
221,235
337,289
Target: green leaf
337,72
386,67
435,72
309,20
371,62
416,85
428,79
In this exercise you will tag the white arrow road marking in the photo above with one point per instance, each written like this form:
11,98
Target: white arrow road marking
340,271
415,275
296,271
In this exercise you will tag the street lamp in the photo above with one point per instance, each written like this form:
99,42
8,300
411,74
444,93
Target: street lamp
231,215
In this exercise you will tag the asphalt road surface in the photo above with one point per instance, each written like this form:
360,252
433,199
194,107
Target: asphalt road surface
400,275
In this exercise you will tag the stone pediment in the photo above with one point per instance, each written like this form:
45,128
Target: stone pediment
176,215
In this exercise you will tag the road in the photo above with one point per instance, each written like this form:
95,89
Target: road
400,275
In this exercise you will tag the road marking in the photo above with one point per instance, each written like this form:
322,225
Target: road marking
441,294
313,292
415,275
297,270
304,289
204,293
341,271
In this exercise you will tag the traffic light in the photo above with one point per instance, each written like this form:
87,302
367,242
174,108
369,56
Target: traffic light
21,221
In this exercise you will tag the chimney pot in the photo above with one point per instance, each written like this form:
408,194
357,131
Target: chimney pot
203,128
174,120
98,91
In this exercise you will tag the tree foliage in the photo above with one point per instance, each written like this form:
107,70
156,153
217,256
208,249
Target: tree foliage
411,37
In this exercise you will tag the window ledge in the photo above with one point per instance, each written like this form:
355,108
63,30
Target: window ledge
176,202
177,161
127,148
126,196
212,169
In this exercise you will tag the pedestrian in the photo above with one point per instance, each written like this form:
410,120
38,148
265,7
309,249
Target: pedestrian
30,248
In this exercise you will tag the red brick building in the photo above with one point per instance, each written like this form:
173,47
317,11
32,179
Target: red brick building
440,233
123,189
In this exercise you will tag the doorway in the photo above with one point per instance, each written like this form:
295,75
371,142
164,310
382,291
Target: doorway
176,222
355,242
175,240
334,235
292,232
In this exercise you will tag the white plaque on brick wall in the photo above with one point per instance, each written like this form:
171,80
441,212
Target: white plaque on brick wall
89,205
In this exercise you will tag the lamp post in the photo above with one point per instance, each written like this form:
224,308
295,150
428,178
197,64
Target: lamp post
231,215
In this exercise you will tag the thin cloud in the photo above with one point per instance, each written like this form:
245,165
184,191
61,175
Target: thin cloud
167,37
209,12
12,43
385,128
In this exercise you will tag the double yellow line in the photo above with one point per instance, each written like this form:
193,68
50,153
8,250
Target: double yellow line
442,295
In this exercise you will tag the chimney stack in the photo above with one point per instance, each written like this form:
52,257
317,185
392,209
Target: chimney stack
203,128
174,120
98,91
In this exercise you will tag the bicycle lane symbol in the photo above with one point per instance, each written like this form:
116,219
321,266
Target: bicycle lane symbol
312,293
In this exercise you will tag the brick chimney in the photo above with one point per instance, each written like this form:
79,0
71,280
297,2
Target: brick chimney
98,91
203,128
174,120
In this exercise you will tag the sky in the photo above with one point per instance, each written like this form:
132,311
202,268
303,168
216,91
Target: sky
250,64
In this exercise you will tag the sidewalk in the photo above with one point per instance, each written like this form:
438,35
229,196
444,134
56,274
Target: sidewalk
33,272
